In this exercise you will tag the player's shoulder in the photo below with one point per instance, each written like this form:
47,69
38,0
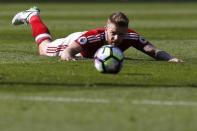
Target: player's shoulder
92,36
133,35
130,35
132,31
95,31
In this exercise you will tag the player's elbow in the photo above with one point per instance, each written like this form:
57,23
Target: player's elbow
149,49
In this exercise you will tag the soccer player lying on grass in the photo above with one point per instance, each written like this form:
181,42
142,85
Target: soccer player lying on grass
85,44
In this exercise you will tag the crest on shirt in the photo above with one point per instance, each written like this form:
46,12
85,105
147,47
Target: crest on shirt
142,40
82,40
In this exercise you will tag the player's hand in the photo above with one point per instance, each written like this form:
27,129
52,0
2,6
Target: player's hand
67,58
175,60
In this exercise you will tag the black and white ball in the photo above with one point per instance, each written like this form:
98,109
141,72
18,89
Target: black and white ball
108,59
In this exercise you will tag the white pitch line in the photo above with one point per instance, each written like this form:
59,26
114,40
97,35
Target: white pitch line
164,103
55,99
66,100
98,101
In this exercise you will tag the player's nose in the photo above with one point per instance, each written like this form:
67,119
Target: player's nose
116,38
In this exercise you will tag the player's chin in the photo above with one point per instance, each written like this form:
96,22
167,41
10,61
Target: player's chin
115,44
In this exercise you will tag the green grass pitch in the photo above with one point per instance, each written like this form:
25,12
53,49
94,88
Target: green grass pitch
40,93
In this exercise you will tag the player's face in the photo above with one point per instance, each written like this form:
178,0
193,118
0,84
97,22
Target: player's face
114,33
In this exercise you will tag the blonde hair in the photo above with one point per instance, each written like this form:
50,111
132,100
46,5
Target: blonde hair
119,19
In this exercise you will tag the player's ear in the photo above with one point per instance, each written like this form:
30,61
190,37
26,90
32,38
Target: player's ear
107,24
106,28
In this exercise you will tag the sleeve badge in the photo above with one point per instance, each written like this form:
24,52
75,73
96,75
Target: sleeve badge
142,40
82,40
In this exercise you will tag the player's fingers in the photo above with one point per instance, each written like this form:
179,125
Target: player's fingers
176,60
70,59
64,58
73,59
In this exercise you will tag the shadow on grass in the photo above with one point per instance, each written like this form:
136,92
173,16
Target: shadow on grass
91,85
138,59
126,58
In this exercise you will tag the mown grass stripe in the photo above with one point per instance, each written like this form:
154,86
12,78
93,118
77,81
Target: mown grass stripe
99,101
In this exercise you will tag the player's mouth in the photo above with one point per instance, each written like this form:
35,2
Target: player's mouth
115,44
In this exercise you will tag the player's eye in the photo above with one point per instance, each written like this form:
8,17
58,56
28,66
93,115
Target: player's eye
113,33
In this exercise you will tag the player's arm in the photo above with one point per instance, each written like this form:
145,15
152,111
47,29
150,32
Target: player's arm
70,51
152,51
159,54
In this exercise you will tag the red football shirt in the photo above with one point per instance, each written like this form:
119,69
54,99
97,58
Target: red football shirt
92,40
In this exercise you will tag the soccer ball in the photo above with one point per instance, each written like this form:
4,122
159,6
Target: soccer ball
108,59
